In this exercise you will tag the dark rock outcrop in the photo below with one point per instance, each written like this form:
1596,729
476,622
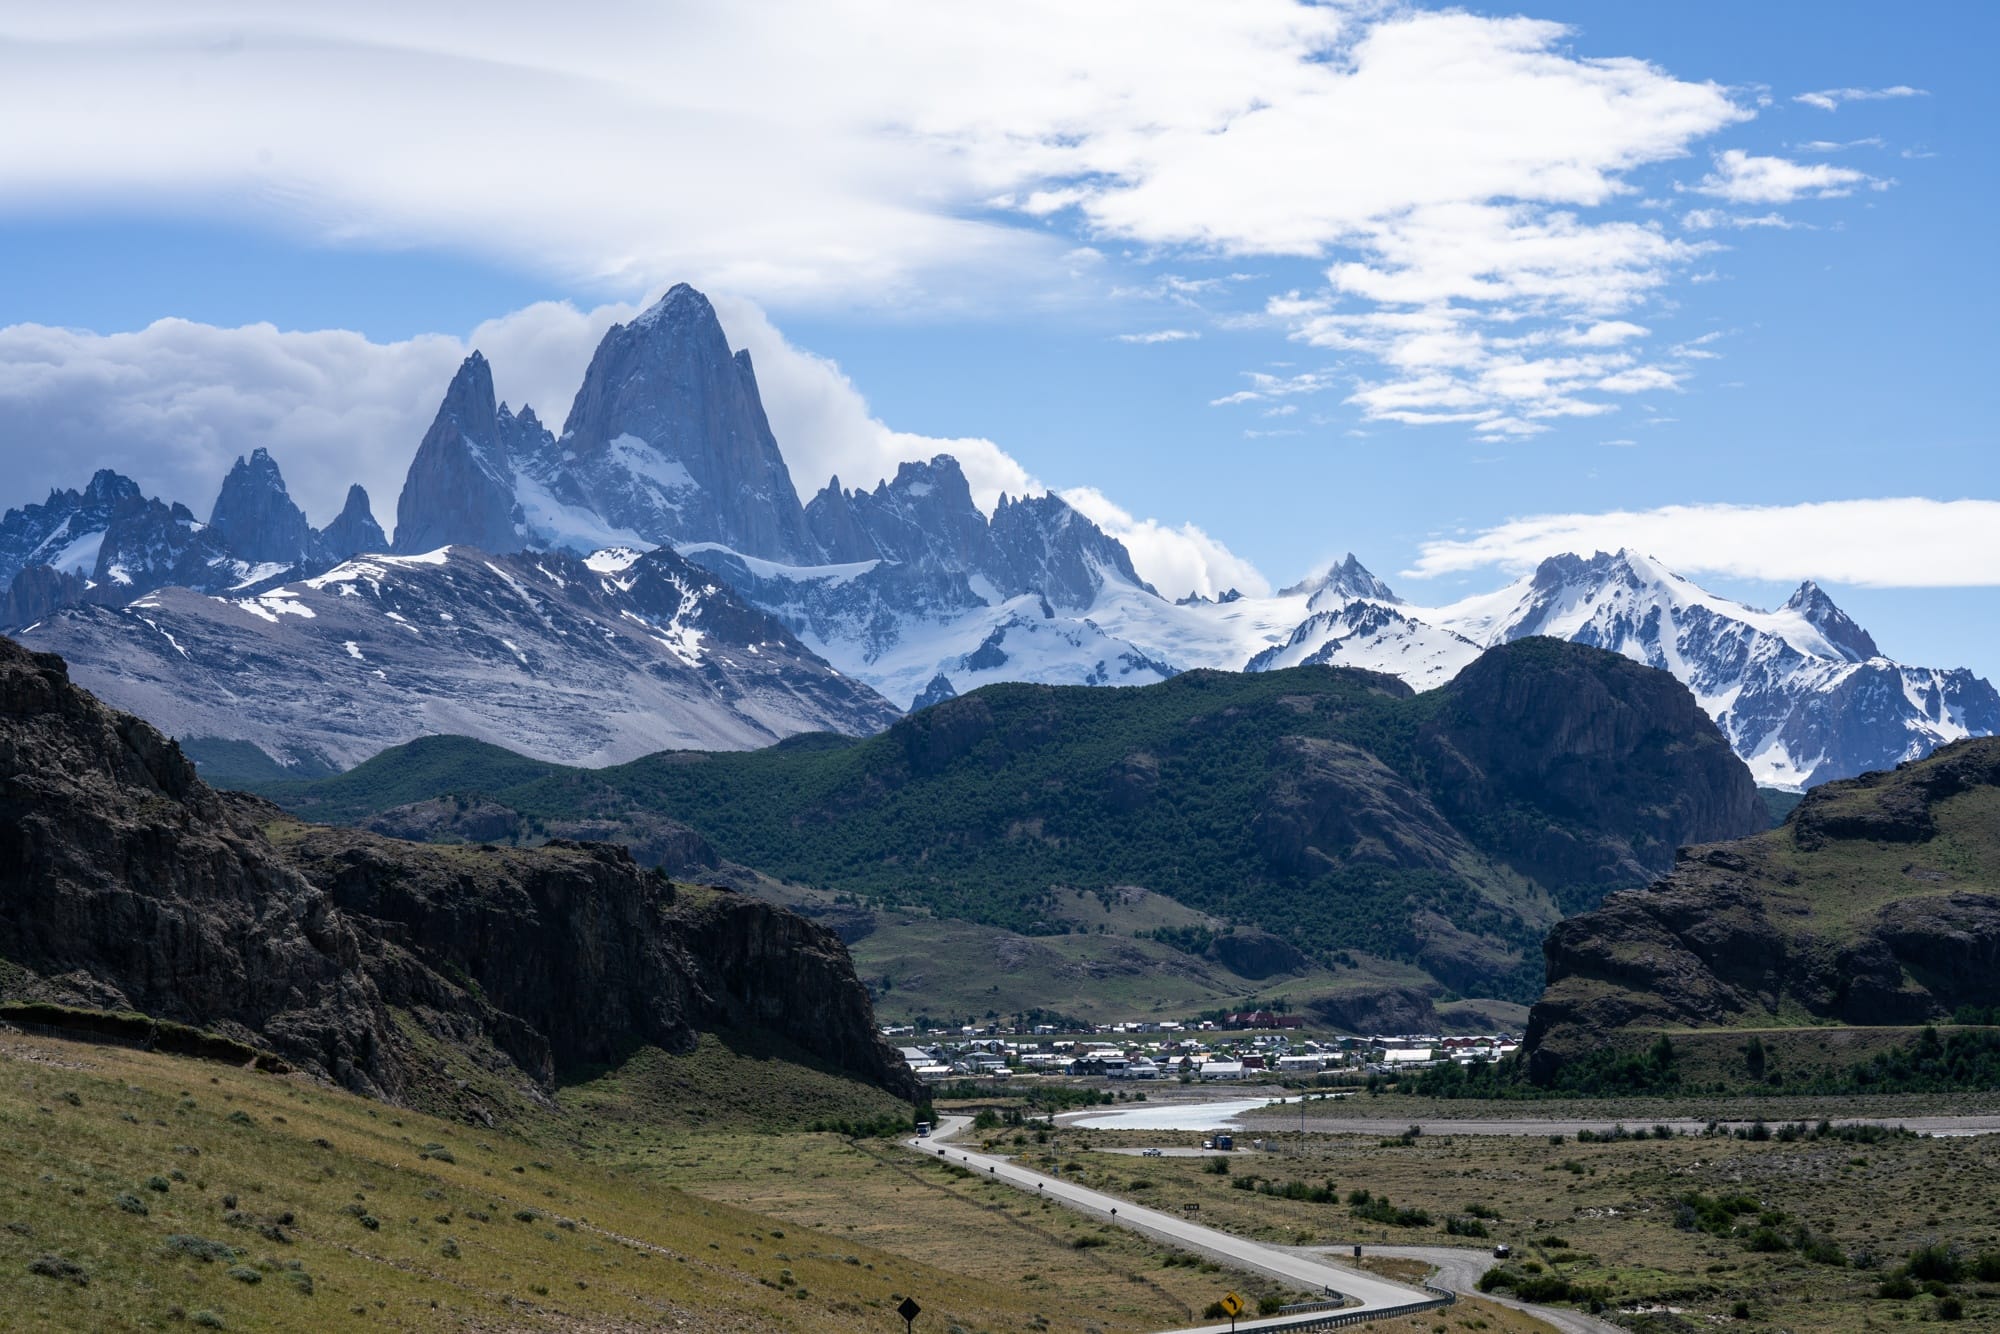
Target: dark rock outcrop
1874,904
937,692
126,882
1623,755
1257,954
255,517
352,531
1379,1010
460,487
40,589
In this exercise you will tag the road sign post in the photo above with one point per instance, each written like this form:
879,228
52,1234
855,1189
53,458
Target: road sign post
1232,1306
909,1310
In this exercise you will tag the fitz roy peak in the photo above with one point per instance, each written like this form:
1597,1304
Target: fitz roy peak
665,445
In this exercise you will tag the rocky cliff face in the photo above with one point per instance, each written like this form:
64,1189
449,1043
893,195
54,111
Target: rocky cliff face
544,653
63,532
353,531
667,439
126,882
255,518
1623,751
460,487
1878,902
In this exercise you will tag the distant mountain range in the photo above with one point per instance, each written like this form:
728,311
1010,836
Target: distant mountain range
908,589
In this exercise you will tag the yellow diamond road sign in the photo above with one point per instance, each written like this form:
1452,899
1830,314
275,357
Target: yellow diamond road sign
1232,1305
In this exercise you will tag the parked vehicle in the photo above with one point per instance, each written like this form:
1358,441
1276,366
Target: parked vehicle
1151,1153
1225,1141
923,1129
1502,1251
1208,1144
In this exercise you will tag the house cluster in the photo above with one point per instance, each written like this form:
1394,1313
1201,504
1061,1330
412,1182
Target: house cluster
1154,1050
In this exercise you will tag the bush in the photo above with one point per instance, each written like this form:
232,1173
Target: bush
1935,1263
1217,1166
1465,1227
1088,1241
132,1204
1950,1308
54,1266
1897,1287
245,1274
199,1248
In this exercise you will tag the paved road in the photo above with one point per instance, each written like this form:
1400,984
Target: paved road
1459,1268
1276,1121
1300,1268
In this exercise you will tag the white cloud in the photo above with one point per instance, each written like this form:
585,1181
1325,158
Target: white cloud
1708,219
814,147
1900,542
1829,99
1745,178
1177,560
1160,336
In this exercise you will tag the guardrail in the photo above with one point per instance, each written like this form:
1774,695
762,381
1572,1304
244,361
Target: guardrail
1333,1318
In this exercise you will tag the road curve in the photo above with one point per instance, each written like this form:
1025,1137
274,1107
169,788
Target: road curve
1459,1269
1303,1269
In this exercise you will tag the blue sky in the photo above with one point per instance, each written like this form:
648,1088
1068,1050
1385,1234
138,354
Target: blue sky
1415,277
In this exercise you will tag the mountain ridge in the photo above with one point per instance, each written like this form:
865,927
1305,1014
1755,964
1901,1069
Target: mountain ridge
1331,807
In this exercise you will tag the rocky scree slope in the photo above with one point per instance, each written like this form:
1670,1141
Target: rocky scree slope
127,883
1877,902
1331,808
589,662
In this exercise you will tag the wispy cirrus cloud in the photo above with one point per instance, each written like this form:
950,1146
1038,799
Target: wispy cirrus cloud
1830,99
1161,336
1893,542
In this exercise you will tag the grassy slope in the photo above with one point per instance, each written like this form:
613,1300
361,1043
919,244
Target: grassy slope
1103,966
1023,810
607,1245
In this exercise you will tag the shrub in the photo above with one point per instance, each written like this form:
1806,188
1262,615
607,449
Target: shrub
158,1183
245,1274
1465,1227
54,1266
199,1248
448,1248
1936,1263
207,1320
1896,1287
1088,1241
1950,1308
1217,1166
132,1204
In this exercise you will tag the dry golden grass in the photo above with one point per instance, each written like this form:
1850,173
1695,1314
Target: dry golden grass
289,1175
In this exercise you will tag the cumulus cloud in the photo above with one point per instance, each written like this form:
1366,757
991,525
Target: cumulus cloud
1176,559
1829,99
1898,542
1746,178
